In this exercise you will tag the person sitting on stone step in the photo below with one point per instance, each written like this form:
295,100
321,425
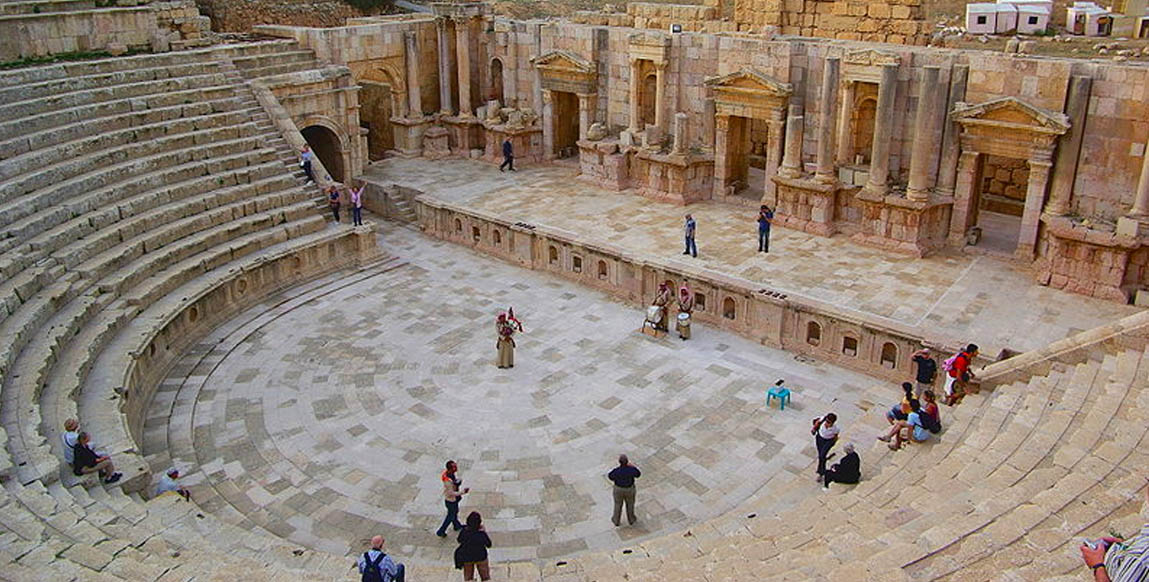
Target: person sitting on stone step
169,483
1113,559
86,461
848,470
911,429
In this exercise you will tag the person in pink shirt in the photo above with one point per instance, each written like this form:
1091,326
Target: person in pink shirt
357,204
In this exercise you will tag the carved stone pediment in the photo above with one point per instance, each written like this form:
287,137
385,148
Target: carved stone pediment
750,80
564,61
565,71
871,58
1009,113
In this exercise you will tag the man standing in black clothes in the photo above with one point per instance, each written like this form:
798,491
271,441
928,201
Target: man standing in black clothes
623,477
508,156
927,371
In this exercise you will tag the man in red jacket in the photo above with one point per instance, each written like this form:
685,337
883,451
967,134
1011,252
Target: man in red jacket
959,374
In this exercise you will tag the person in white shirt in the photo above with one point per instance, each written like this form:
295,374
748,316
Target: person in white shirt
69,437
169,484
825,433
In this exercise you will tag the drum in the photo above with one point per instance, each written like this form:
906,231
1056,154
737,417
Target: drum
654,314
684,318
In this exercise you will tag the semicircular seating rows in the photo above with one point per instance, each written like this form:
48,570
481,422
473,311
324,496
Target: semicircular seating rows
128,182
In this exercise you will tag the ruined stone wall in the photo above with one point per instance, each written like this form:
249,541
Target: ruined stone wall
651,15
241,15
895,21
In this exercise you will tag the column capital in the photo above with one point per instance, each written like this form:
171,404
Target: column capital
1039,164
662,66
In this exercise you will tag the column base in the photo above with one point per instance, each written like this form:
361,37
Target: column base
408,133
436,143
805,204
911,227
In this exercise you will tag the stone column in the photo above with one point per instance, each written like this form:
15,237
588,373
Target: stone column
845,140
660,97
1034,200
709,114
1069,147
773,152
445,105
792,161
463,57
922,153
414,95
585,113
538,92
827,97
883,132
635,85
947,166
721,155
680,121
1136,223
548,117
963,211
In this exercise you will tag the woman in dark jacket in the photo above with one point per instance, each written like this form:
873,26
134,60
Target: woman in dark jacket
471,554
848,470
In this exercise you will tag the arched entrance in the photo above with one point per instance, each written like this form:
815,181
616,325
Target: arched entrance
497,82
327,147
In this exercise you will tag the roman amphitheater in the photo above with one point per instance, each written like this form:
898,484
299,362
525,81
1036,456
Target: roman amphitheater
172,279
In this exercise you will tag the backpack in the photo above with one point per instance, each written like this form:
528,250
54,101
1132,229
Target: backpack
930,422
371,570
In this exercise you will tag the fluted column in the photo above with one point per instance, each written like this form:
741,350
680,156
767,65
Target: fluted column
845,140
883,132
463,57
660,96
827,97
792,160
414,95
922,152
947,165
635,87
774,145
445,105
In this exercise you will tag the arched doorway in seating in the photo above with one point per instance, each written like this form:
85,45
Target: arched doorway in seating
327,147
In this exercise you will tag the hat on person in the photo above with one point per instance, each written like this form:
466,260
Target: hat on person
172,471
848,447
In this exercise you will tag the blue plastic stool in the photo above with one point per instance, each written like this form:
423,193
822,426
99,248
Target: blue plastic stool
782,394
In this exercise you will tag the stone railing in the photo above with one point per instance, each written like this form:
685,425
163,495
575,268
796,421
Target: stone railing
238,289
801,325
1129,333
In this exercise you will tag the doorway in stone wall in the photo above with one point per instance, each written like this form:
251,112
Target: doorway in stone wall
375,111
1000,201
745,161
327,147
648,95
565,124
497,82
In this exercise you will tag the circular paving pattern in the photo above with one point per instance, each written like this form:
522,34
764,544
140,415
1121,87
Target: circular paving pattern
328,419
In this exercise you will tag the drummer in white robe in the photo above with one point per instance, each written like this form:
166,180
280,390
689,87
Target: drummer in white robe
685,308
662,301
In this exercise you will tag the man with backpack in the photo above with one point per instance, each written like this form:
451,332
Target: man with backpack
377,566
958,374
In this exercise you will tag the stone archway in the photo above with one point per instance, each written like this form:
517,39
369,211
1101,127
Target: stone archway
328,148
740,99
1005,128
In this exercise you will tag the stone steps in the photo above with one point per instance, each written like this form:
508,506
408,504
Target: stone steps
288,55
30,107
65,200
44,6
34,131
89,168
70,84
280,69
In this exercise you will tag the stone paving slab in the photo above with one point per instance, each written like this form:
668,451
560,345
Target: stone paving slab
332,422
952,296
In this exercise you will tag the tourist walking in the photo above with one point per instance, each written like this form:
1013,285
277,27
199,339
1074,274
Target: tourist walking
452,494
690,229
958,374
623,477
357,204
333,201
848,470
508,156
765,218
825,433
1113,559
305,157
376,566
471,554
927,371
